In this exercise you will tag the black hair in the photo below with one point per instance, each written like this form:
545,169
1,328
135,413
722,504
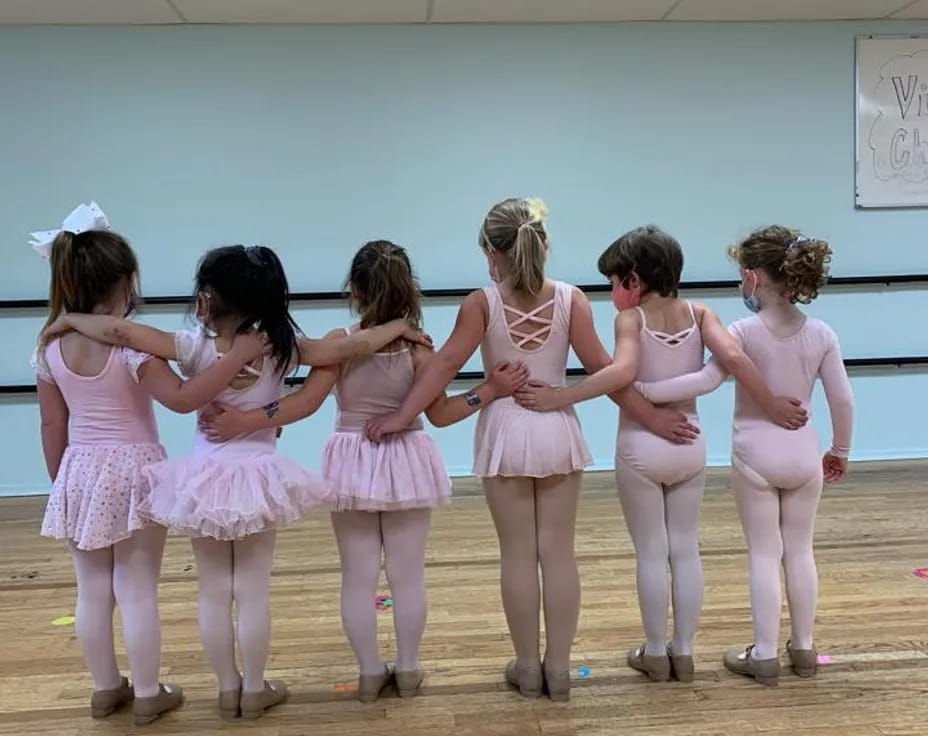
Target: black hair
250,283
651,253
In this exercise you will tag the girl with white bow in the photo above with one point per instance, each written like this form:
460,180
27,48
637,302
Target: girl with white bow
98,433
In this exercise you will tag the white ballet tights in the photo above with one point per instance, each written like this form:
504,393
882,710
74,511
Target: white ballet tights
663,522
779,526
238,571
535,520
400,537
126,575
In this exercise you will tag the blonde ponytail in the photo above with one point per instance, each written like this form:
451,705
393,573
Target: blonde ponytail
516,229
527,259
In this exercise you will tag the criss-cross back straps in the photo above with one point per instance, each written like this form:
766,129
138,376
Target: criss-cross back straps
521,339
671,340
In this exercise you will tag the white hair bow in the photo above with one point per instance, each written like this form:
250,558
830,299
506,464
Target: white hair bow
84,217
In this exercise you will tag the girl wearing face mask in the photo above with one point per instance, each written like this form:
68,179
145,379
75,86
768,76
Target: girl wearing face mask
660,484
778,476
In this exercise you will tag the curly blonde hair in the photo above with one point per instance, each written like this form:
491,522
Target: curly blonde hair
797,264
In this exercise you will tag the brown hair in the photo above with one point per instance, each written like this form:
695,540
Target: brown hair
86,267
383,286
516,228
799,265
651,253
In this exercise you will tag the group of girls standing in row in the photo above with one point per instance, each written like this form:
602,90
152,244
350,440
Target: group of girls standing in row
115,494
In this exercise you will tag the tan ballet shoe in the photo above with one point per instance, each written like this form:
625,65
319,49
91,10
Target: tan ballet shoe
408,683
255,705
803,661
682,668
657,667
106,702
371,686
527,680
764,671
230,706
557,685
148,710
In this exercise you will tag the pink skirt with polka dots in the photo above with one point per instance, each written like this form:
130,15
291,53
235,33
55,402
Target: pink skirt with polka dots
98,492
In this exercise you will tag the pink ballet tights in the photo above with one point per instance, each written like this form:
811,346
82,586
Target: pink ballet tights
663,522
400,537
238,571
779,525
125,574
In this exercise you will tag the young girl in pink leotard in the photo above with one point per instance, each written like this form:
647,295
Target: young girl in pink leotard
98,433
230,498
777,476
660,484
385,492
530,464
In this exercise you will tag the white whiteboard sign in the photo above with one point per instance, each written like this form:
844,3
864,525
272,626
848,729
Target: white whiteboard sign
892,122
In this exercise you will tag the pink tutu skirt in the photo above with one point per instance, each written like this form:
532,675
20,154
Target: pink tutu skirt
99,493
404,472
511,441
228,498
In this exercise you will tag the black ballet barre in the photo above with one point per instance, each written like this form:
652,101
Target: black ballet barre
897,362
336,296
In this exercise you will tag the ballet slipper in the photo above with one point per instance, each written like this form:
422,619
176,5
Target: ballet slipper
764,671
527,680
371,686
106,702
230,706
148,710
254,705
803,661
557,684
682,668
408,682
657,667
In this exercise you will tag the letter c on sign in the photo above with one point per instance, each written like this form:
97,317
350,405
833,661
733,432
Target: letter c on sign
899,159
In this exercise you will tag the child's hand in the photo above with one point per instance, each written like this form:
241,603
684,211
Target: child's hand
834,467
417,337
250,346
59,327
507,378
673,426
538,396
227,422
787,413
379,427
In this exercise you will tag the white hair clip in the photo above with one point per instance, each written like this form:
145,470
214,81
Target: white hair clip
84,217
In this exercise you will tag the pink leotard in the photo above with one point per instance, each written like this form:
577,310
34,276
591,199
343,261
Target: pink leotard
664,356
406,472
510,440
100,489
782,458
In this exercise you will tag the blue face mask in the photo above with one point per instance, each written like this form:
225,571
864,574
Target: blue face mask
751,302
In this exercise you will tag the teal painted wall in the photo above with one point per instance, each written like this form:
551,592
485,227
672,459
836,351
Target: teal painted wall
315,139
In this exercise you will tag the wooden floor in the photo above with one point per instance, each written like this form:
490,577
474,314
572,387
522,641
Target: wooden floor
873,624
